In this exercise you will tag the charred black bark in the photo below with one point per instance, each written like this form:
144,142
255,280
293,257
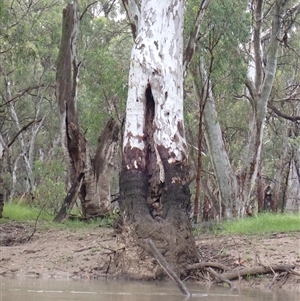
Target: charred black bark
133,195
172,233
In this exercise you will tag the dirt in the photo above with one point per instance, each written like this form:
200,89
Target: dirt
88,254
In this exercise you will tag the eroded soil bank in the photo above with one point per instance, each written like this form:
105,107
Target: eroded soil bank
88,254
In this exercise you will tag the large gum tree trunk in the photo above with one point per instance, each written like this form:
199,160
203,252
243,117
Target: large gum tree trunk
89,177
154,192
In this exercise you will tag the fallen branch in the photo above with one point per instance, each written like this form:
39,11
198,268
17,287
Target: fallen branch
203,265
163,263
257,270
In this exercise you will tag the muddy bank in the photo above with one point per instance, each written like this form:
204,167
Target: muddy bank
88,254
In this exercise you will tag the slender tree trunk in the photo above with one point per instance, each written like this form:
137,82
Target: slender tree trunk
2,151
260,188
293,177
280,171
154,192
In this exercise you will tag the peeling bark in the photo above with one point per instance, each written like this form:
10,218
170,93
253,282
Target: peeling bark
154,193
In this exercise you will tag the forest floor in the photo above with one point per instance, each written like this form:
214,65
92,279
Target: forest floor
88,254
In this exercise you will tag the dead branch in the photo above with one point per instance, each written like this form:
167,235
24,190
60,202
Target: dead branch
203,265
20,94
257,270
280,114
163,263
24,128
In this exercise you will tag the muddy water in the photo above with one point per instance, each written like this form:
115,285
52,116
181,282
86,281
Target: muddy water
37,289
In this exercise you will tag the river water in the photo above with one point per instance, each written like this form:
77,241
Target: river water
41,289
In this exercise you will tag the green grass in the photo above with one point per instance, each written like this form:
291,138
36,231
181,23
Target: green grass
23,213
263,223
27,214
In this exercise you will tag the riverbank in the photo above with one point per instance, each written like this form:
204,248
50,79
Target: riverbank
87,253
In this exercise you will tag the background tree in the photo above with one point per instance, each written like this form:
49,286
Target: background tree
31,35
91,177
236,178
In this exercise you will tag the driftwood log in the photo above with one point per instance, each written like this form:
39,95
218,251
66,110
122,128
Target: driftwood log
226,277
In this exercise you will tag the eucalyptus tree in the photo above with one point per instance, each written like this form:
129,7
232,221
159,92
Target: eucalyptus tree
271,23
2,150
154,184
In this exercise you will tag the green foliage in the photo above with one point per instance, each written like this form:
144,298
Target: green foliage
104,75
51,190
262,223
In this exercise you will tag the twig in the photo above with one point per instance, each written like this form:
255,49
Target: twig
274,278
36,221
286,277
163,263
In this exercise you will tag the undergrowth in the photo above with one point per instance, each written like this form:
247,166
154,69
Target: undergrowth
259,224
24,213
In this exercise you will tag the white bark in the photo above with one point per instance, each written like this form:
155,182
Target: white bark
156,63
293,189
133,11
25,151
2,147
225,176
